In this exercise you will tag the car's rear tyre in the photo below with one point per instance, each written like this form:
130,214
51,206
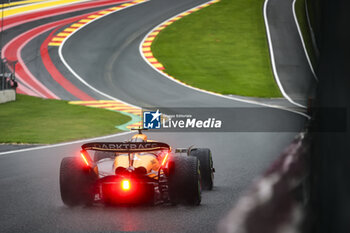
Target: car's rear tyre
206,165
184,180
102,155
76,182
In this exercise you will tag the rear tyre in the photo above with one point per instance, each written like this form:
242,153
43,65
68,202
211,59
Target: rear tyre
184,180
206,165
76,183
102,155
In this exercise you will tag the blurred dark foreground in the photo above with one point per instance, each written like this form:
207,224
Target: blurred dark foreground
329,210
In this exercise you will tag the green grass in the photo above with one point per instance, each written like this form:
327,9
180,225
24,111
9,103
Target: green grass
35,120
222,48
304,28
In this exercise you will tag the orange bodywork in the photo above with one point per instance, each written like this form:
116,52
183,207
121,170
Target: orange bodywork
146,160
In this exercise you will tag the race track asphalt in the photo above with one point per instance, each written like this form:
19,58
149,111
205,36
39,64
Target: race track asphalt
292,66
106,54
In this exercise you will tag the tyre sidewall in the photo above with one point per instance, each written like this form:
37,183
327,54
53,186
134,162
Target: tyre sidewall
206,165
76,183
184,180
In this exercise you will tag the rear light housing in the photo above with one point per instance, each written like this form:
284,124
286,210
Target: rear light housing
86,160
127,190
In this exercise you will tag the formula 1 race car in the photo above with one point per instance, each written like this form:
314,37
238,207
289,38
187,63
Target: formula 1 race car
134,172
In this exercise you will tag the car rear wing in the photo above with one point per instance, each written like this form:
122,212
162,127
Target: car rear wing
126,147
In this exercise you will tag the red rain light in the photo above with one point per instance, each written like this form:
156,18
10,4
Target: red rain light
126,185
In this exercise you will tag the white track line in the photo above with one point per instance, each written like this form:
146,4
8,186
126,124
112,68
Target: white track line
80,78
311,30
302,41
272,56
65,143
212,93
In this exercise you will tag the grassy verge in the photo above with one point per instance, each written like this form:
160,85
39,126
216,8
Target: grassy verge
222,48
304,28
35,120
